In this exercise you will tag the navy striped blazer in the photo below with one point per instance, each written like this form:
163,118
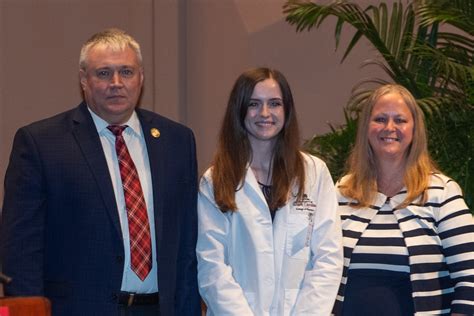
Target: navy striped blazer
440,239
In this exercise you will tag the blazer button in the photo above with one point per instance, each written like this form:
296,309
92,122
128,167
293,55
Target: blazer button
114,297
119,259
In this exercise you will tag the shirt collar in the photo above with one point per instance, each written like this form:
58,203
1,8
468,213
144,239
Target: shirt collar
101,125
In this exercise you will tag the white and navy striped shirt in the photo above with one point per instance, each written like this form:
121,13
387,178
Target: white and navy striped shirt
381,246
439,238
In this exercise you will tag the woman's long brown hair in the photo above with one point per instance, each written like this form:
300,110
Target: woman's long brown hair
234,153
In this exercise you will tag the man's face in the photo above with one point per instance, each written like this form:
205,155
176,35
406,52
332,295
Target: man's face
112,83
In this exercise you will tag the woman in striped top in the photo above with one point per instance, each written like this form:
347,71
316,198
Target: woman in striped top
408,234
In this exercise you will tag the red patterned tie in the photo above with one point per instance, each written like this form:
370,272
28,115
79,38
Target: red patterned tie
139,229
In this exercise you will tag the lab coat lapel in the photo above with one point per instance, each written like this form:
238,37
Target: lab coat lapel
252,188
261,218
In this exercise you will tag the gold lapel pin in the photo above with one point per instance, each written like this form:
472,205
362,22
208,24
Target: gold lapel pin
155,132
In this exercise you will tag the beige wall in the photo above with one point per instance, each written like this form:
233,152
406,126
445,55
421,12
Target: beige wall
193,51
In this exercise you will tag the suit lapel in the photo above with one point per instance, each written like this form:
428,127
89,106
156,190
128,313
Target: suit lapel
88,140
156,148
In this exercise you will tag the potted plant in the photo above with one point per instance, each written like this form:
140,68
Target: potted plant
426,46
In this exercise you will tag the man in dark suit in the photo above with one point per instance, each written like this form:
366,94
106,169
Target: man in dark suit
78,228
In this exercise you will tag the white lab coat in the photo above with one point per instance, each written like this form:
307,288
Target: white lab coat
249,266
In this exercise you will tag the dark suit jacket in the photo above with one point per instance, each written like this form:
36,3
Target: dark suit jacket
61,236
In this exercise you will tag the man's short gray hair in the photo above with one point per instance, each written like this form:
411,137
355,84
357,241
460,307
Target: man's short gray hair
112,38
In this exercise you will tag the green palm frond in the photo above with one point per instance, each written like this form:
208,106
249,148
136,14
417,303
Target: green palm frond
418,52
363,89
432,106
334,147
449,77
457,42
451,135
458,13
390,32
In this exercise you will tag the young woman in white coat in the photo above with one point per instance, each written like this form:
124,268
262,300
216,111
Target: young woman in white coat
269,240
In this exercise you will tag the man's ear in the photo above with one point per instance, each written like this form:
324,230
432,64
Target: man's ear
142,75
82,78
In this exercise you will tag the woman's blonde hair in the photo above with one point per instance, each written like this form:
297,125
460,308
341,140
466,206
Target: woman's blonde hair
361,181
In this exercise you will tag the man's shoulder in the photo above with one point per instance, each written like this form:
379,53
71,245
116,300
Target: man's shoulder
57,120
161,121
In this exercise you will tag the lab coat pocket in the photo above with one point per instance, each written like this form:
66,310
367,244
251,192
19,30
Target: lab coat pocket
297,237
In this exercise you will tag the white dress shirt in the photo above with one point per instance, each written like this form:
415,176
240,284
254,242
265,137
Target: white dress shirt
135,141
